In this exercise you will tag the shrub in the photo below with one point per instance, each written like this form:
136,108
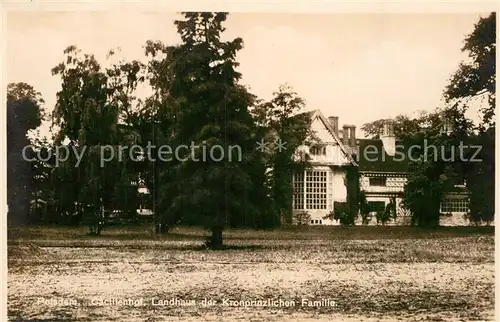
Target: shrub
383,216
342,213
330,216
364,209
302,218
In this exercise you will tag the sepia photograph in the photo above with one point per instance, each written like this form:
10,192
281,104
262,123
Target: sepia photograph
176,165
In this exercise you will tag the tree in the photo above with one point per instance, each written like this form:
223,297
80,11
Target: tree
436,169
282,122
91,104
29,116
477,77
353,190
24,113
364,208
402,125
209,110
156,123
423,194
432,172
424,189
475,80
480,177
42,168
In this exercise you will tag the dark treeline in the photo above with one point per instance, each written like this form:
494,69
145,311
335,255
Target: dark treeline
197,99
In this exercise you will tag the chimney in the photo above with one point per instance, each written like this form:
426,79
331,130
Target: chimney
345,134
334,121
388,138
352,136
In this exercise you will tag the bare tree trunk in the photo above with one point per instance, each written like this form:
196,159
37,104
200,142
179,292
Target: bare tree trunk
164,228
216,238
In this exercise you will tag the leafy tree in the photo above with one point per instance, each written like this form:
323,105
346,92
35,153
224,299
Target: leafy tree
402,125
90,106
475,80
24,113
431,172
476,77
422,195
434,173
42,168
209,109
427,181
156,123
480,177
437,166
282,124
29,116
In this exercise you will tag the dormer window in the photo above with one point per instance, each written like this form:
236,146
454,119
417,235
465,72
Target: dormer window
318,150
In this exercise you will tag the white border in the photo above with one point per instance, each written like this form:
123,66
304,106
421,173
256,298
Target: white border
298,6
3,161
302,6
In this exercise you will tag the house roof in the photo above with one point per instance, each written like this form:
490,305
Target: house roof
372,157
317,114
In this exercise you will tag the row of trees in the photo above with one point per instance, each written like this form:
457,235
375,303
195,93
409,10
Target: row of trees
197,98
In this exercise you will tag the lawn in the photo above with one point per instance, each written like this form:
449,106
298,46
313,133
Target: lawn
353,274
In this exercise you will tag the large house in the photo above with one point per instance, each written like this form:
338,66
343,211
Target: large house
382,174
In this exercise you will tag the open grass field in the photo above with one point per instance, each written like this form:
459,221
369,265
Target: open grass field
354,274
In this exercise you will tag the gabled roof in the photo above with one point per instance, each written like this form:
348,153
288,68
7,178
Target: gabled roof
317,114
371,157
309,113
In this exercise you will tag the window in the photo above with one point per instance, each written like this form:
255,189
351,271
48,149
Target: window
376,206
315,194
315,189
298,191
318,150
455,204
320,221
330,191
378,181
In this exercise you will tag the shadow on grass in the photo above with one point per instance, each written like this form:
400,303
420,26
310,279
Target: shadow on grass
21,247
169,236
229,247
285,233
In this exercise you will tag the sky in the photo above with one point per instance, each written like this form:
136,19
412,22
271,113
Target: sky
359,67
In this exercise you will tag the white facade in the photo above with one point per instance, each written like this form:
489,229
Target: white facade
392,184
454,208
315,190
